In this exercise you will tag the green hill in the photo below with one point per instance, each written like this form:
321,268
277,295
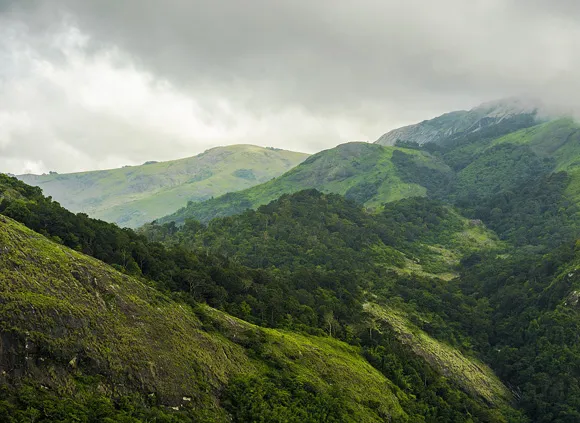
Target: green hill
499,157
73,326
418,235
82,341
558,140
362,172
134,195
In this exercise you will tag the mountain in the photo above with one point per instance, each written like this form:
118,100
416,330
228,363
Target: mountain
396,236
463,122
457,301
429,158
73,326
556,143
366,173
83,341
514,302
134,195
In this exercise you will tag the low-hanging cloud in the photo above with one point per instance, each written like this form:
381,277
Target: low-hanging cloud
94,84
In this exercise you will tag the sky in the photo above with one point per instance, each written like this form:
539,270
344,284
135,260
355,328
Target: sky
94,84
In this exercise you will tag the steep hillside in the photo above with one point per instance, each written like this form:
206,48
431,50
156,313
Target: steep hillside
468,372
557,143
558,139
445,127
79,340
134,195
72,326
362,172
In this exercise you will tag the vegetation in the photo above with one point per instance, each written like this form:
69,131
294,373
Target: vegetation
89,313
116,348
135,195
363,172
427,283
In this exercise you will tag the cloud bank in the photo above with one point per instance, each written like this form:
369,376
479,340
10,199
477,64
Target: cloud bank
95,84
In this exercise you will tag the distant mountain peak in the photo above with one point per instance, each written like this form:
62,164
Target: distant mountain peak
465,121
510,106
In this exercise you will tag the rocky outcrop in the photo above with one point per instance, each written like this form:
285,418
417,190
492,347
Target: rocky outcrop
446,126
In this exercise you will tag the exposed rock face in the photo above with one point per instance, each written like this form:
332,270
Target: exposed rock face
445,126
573,299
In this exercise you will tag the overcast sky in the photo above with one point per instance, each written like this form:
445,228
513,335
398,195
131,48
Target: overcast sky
91,84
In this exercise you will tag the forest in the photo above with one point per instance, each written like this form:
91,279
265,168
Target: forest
464,300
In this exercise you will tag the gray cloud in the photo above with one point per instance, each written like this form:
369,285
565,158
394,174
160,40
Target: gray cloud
296,74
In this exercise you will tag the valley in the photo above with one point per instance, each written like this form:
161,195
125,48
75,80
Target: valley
426,281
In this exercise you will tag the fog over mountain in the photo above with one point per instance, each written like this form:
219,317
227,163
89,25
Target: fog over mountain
97,84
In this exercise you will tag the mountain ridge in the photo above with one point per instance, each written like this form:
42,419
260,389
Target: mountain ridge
81,338
362,172
373,177
440,128
133,195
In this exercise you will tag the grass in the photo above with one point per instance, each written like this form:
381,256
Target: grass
559,139
331,171
132,196
73,316
75,307
471,374
326,363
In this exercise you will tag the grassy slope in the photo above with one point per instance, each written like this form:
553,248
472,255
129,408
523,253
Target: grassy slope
559,139
469,373
135,195
65,315
336,170
445,257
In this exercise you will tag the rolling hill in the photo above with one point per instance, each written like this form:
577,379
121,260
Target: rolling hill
134,195
426,159
365,173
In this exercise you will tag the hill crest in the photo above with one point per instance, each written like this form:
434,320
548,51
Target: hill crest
133,195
